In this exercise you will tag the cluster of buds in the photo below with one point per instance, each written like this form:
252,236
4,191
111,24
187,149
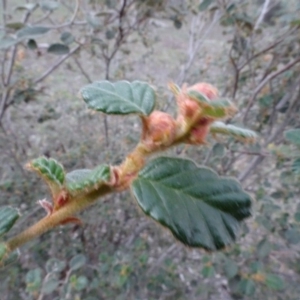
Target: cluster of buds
160,130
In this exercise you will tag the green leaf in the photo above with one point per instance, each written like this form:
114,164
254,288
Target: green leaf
28,32
51,171
54,265
6,42
293,136
31,44
263,248
237,132
49,5
218,150
86,179
274,282
110,34
296,166
201,98
77,262
121,97
58,49
15,25
200,208
208,271
50,284
10,258
247,287
27,6
81,283
292,235
67,38
8,217
230,268
205,4
33,280
219,108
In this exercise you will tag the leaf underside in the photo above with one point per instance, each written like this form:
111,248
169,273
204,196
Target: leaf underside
237,132
86,179
121,97
200,208
51,171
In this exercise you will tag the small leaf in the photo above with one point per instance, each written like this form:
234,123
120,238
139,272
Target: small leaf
67,38
296,166
230,268
263,248
110,34
49,5
3,250
33,31
205,4
31,44
51,171
77,262
58,49
200,208
81,283
55,265
33,280
293,136
86,179
274,282
292,235
8,217
208,271
27,6
121,97
242,134
247,287
50,285
15,25
218,150
9,259
219,109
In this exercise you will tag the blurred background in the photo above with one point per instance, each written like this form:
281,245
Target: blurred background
249,50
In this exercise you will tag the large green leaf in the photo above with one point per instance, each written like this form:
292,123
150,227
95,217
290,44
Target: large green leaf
237,132
200,208
86,179
121,97
8,217
51,171
293,136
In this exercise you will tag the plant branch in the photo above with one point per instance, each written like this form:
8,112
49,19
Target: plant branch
47,223
265,81
56,65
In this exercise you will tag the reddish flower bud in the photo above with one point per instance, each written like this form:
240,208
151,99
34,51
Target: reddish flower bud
205,88
159,130
199,132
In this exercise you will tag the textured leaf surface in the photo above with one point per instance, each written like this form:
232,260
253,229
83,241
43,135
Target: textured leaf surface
237,132
219,108
199,207
51,171
293,136
86,179
8,217
121,97
296,166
